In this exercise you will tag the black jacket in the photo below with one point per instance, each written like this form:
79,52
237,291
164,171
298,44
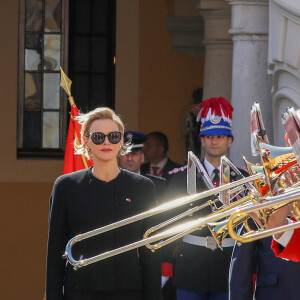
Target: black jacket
198,268
79,203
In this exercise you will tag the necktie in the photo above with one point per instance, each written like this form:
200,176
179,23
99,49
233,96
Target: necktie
154,171
216,178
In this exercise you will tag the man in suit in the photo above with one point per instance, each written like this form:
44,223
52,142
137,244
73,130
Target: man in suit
155,150
201,268
274,278
134,159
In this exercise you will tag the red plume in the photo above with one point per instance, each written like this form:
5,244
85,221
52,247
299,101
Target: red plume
217,105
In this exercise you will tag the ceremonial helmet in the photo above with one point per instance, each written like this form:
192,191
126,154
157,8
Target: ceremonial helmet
215,115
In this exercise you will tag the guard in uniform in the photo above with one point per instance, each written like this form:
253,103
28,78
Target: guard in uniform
201,268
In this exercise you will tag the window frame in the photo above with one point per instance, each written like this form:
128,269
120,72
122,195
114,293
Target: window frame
43,152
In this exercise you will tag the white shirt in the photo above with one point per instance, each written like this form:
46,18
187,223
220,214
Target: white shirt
210,168
286,237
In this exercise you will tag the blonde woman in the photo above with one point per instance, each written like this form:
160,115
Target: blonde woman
94,197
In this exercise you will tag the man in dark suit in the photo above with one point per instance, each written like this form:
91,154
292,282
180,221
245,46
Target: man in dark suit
274,278
201,268
155,150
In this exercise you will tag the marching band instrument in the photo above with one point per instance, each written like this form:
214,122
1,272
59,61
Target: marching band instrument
283,176
272,204
177,231
275,161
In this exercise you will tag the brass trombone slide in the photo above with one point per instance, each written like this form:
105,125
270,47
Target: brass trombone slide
186,228
272,202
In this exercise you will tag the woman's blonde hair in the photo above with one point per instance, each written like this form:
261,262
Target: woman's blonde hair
86,120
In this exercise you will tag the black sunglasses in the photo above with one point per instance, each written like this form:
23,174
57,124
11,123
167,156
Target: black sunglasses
98,138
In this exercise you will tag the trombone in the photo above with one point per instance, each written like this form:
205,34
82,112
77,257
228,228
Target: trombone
175,232
273,203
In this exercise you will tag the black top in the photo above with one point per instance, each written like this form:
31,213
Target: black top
79,203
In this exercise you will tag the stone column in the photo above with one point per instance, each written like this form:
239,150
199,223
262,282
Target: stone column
218,48
249,30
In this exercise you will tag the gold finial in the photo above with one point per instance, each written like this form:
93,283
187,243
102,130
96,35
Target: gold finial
65,83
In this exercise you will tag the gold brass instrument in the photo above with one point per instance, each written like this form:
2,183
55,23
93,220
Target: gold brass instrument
175,232
272,204
280,185
279,165
265,207
276,161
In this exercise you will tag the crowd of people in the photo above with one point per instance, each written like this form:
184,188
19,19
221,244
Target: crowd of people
131,174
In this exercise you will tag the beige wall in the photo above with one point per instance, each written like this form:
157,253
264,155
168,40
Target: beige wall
154,84
23,231
127,62
167,78
151,80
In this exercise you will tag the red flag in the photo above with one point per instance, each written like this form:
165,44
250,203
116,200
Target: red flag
74,162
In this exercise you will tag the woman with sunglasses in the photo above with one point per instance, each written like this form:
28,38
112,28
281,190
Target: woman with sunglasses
91,198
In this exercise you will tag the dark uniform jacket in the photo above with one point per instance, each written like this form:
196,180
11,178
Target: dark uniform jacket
198,268
277,279
165,174
79,203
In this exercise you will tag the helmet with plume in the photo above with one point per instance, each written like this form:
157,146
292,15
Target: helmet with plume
215,115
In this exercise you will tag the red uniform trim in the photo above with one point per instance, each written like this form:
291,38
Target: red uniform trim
167,269
292,250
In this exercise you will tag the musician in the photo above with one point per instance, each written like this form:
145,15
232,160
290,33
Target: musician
155,150
201,268
94,197
256,273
